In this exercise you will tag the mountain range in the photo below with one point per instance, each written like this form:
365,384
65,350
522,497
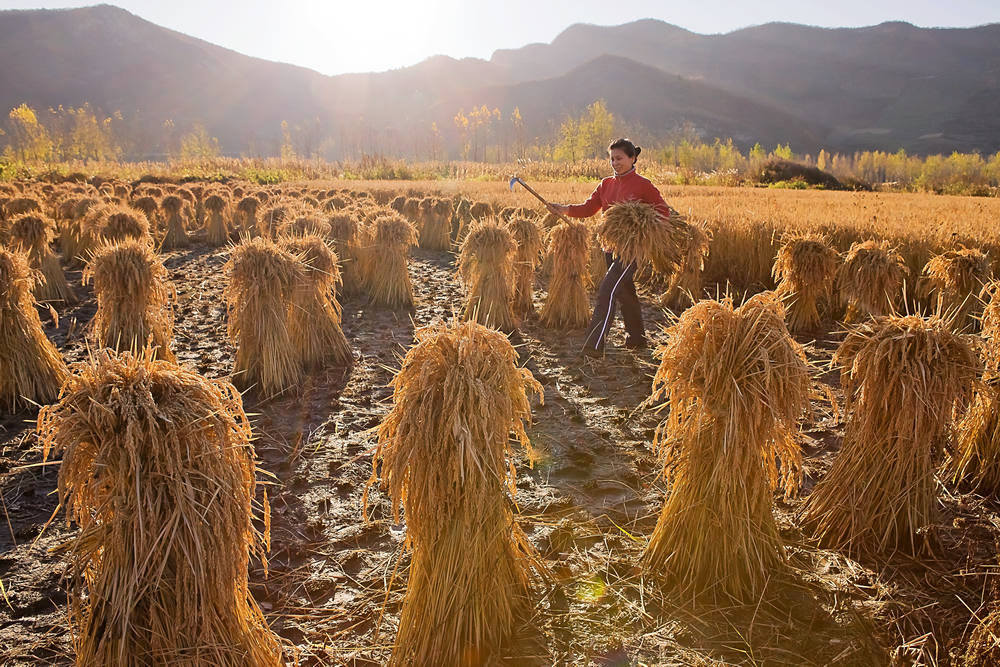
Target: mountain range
888,86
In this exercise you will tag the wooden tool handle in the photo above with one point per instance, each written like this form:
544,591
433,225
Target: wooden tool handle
540,198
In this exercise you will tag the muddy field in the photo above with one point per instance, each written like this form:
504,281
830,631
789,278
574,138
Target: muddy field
587,500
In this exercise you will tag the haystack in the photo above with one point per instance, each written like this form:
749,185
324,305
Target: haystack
31,370
805,269
902,377
158,472
175,234
133,306
314,315
388,279
263,278
951,281
444,456
871,280
567,305
32,233
736,384
528,242
485,266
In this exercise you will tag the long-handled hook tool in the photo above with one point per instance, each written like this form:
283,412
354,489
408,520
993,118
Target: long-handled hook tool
517,179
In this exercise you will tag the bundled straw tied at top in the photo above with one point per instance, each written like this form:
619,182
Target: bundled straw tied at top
216,224
635,231
306,221
133,307
344,233
435,223
388,279
685,286
485,265
31,370
262,279
805,269
871,280
737,384
175,211
952,281
159,474
902,377
32,233
444,456
245,216
528,241
314,314
567,305
149,207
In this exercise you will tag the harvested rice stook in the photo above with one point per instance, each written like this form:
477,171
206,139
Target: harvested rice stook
805,269
176,220
444,456
314,314
902,377
262,280
346,239
952,281
435,223
485,265
871,280
736,383
133,308
388,279
245,216
567,305
31,370
636,232
158,472
685,286
304,223
990,295
33,233
528,241
216,223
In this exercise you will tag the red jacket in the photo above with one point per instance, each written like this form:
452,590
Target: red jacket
627,187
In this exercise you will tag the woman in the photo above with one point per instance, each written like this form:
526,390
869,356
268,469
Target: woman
617,286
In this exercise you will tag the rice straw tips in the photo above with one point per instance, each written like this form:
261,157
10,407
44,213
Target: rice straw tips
685,286
159,474
736,384
952,281
444,457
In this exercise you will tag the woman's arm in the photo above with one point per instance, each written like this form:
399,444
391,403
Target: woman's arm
586,209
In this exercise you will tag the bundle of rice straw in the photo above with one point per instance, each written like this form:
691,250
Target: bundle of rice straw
110,223
216,227
479,210
387,276
598,263
314,315
805,269
435,233
983,646
245,217
304,222
270,217
72,235
444,456
685,286
871,280
567,305
634,231
486,269
528,242
32,233
262,280
149,207
31,370
133,308
737,384
175,234
345,237
952,280
21,205
159,473
902,377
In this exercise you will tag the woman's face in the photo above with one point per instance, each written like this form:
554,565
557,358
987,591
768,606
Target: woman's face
619,161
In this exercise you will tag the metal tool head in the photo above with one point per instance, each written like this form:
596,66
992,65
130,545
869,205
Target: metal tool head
513,180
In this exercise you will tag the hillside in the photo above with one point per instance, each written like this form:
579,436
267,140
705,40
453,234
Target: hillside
887,86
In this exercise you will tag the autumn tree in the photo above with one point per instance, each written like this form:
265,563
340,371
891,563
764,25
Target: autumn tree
30,140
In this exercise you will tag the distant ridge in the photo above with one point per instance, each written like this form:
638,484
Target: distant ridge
887,86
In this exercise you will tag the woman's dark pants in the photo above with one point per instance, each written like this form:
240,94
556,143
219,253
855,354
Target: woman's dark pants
616,288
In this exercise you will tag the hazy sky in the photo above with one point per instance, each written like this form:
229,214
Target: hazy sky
335,36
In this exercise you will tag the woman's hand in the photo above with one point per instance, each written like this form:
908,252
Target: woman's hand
558,209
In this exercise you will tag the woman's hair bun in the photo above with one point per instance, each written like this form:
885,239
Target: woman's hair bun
637,151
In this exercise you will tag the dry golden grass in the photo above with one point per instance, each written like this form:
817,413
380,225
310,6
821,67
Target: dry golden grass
159,473
444,456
